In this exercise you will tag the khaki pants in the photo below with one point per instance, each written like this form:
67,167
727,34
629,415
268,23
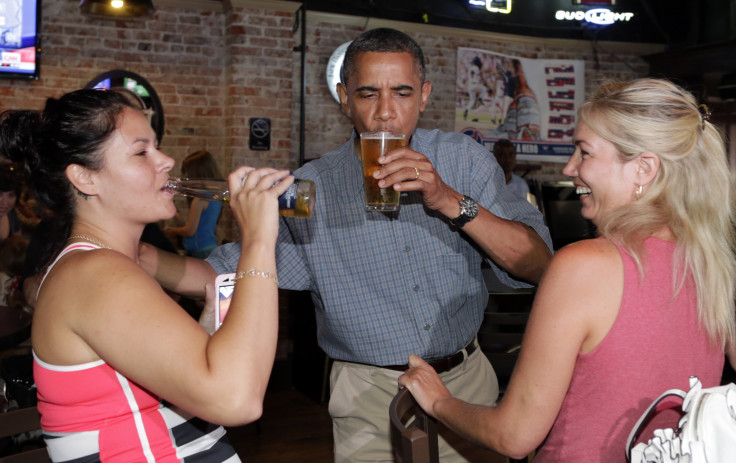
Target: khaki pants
361,394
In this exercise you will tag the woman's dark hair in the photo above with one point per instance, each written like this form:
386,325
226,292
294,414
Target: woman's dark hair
69,130
382,40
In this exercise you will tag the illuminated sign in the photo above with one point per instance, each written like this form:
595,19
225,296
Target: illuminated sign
494,6
599,16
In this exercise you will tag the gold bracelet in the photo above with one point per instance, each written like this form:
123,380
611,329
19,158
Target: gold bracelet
251,272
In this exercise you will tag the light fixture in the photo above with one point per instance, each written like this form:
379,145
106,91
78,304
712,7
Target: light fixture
117,8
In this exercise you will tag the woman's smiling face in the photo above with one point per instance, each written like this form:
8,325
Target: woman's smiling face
603,180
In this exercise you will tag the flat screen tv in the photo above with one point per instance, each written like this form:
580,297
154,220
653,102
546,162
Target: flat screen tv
20,39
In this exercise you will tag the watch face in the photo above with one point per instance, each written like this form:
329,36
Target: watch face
334,65
469,207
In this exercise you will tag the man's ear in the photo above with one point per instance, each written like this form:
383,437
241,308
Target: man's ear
426,90
81,179
342,93
648,164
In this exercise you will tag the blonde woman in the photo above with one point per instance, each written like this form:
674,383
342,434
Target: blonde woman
621,318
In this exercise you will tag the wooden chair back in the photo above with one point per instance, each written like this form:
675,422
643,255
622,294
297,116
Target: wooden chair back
413,441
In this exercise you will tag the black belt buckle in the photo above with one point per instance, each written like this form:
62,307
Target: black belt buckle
443,364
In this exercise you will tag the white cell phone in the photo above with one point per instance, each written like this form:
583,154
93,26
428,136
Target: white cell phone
224,287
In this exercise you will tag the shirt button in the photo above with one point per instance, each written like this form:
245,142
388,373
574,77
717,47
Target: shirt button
407,248
415,288
426,327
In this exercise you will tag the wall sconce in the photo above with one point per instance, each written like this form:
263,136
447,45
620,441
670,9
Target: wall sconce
117,8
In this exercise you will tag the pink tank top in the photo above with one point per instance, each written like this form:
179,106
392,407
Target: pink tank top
654,345
91,412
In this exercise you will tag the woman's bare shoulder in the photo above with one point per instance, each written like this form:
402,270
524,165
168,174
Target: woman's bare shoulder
585,259
86,273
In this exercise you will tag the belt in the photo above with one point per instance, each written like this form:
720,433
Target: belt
446,363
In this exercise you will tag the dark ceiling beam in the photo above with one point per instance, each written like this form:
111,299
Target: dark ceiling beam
704,59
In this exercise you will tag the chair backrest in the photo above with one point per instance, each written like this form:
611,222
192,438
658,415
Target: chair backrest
413,441
19,421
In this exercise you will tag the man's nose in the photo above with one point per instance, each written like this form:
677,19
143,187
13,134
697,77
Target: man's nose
385,110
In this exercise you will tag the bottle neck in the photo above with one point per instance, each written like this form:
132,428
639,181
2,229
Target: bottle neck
204,188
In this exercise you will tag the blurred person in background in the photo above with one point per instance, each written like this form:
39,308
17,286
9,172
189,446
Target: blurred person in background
198,232
505,154
10,188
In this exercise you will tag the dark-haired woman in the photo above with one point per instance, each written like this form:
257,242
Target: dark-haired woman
108,343
9,189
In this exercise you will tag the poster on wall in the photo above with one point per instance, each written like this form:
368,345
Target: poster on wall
532,102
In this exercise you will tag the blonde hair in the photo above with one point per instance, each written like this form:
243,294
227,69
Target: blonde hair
692,193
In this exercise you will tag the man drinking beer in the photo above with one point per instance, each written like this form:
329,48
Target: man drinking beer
387,285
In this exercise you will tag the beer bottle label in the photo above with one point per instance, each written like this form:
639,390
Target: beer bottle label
287,201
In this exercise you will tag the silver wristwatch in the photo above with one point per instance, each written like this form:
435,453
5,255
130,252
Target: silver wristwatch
468,211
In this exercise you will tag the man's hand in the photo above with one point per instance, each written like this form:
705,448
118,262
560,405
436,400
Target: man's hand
514,246
406,170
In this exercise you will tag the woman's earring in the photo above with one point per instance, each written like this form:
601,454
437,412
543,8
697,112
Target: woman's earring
639,191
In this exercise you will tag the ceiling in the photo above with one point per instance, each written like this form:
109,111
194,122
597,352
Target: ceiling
678,23
699,35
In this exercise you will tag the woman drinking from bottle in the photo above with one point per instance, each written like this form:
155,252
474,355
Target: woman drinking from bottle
109,345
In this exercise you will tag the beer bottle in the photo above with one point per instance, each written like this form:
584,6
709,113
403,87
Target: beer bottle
297,201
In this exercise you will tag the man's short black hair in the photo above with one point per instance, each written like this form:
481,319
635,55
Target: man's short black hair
382,40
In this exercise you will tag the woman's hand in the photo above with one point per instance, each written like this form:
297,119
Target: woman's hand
207,318
424,384
254,201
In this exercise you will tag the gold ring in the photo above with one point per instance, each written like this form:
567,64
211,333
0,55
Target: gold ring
416,177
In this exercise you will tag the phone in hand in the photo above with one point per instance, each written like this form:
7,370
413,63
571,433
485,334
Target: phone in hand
224,287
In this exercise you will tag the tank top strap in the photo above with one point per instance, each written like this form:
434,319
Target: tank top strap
83,246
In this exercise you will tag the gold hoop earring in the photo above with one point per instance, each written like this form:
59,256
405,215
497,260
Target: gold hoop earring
639,191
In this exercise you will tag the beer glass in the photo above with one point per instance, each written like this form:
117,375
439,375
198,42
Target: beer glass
373,145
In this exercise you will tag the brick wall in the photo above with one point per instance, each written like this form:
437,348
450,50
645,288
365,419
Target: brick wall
327,126
215,66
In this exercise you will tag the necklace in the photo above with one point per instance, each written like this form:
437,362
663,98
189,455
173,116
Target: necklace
90,239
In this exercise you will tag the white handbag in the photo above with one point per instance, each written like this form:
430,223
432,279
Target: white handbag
705,434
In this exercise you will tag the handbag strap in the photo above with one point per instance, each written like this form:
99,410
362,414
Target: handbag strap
640,424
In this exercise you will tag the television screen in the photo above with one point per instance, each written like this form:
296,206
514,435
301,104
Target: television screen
20,38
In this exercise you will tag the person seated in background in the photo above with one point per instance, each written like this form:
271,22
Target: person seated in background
10,187
619,319
12,254
109,345
198,233
30,212
505,154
